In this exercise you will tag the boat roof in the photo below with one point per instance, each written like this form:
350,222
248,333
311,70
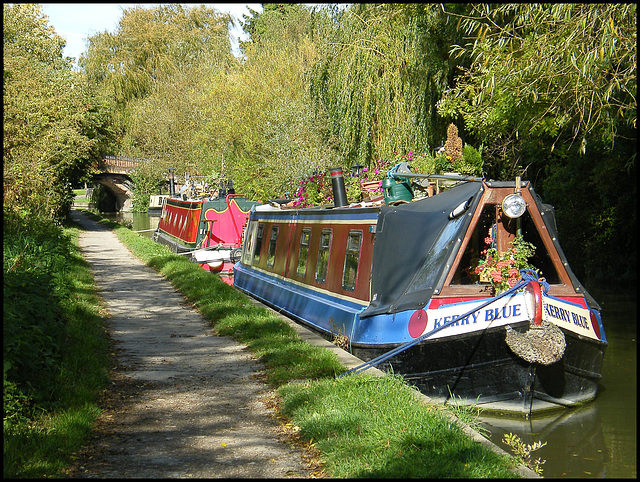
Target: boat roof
416,244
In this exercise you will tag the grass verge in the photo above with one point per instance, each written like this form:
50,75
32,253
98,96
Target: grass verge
361,426
47,418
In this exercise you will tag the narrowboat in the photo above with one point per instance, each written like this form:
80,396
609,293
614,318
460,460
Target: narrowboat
209,229
396,277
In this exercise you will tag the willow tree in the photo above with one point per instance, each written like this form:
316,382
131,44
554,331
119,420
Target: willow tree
551,91
560,73
260,119
380,71
149,46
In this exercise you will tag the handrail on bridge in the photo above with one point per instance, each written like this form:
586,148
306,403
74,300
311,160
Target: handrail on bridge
117,161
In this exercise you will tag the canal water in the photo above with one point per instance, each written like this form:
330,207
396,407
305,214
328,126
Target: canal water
597,440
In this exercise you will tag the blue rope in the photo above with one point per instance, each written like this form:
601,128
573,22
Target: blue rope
531,275
527,276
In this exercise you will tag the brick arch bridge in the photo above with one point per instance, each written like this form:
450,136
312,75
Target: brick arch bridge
113,173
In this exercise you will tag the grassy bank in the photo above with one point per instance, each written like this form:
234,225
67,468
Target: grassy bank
55,348
360,426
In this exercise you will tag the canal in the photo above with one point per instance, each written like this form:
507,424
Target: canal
597,440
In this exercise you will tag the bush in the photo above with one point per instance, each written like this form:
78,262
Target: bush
35,253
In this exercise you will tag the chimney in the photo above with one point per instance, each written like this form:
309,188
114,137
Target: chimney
337,184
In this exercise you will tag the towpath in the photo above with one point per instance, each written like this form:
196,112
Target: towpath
183,402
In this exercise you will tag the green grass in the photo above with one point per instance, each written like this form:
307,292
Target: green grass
367,426
41,433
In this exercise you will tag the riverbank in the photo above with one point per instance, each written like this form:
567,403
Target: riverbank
56,353
353,438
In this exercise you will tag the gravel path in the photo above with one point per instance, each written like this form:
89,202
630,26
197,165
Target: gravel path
183,402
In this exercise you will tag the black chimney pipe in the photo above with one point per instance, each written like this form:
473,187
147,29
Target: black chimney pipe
172,186
337,184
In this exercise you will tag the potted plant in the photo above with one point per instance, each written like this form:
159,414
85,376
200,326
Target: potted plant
502,270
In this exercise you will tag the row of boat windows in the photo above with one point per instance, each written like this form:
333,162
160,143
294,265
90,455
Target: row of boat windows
351,259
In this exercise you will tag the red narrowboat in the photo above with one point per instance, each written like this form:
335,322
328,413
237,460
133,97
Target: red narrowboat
210,230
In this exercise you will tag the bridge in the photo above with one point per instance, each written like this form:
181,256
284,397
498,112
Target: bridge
113,173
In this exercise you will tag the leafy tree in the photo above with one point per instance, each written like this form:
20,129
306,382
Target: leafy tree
52,125
149,46
563,73
551,92
380,70
259,116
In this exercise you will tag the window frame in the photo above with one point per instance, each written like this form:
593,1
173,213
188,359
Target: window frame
305,246
321,249
273,245
349,255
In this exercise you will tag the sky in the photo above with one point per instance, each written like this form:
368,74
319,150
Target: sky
75,22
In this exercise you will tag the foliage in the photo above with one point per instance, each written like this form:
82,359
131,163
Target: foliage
379,72
523,451
54,348
33,328
521,85
151,44
259,118
53,126
453,144
502,270
563,117
317,189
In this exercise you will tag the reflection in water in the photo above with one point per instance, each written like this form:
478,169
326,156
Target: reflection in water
598,439
575,442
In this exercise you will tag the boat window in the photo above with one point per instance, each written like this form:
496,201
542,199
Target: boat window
477,244
272,246
258,246
323,256
303,254
351,259
250,244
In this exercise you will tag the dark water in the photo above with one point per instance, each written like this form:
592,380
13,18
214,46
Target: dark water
596,440
599,439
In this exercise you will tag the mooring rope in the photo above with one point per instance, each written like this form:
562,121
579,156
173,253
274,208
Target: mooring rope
527,275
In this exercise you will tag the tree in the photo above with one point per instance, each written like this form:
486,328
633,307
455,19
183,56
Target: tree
52,125
381,68
551,92
566,72
259,117
151,45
